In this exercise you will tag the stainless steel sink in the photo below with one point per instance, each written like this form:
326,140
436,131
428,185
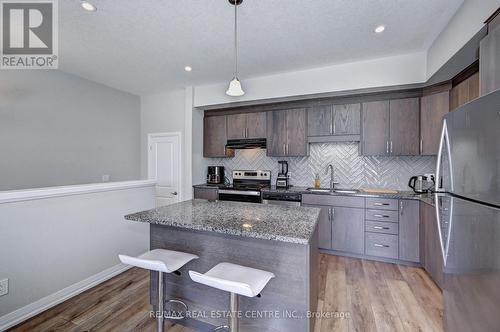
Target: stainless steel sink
338,191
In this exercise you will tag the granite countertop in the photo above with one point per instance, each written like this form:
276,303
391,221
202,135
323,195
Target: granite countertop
426,198
268,222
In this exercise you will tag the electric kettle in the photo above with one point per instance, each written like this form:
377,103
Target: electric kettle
422,184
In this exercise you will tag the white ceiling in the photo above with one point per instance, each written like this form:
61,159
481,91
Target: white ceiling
142,46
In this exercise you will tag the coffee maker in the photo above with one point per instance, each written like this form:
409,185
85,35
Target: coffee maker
215,175
282,181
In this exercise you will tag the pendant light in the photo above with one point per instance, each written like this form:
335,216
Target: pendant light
235,89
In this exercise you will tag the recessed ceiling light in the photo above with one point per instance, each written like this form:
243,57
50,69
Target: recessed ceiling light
88,6
188,68
380,29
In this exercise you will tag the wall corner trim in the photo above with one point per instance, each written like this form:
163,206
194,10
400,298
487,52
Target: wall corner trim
15,317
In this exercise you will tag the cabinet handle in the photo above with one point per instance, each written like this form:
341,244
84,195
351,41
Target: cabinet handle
380,216
380,227
401,207
380,245
421,146
387,147
284,149
330,214
334,127
391,147
331,128
381,204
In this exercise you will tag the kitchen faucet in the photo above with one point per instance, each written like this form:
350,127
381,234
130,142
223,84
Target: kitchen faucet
332,175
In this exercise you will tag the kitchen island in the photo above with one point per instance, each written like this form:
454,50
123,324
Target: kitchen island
278,239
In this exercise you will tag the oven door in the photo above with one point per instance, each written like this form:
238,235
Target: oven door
239,196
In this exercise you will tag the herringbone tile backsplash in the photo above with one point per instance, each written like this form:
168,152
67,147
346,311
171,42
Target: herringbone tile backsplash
352,170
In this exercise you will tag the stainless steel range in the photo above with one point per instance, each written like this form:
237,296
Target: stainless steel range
246,186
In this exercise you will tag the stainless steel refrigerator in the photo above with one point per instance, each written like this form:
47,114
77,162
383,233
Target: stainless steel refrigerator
468,214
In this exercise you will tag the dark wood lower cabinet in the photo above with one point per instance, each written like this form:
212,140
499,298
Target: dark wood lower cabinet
409,226
324,227
430,245
348,230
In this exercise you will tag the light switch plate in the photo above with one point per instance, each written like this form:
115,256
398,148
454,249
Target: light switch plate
4,287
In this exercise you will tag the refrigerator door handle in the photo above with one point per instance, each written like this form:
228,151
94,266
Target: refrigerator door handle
444,137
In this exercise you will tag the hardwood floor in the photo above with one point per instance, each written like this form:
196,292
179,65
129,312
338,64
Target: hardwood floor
375,297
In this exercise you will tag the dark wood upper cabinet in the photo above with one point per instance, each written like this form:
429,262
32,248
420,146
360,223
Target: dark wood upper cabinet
432,110
489,61
236,126
215,137
246,125
334,123
404,127
375,128
391,128
346,119
465,91
287,133
296,131
319,121
276,133
256,125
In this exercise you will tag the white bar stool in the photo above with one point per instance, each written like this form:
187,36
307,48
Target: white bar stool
161,261
237,280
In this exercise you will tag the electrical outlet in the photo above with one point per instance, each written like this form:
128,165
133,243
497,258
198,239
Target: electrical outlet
4,287
105,178
289,175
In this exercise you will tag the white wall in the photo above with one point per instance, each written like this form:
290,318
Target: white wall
169,111
60,129
468,20
389,71
50,244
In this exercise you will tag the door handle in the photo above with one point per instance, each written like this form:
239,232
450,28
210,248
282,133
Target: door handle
380,216
391,147
174,193
387,147
380,204
381,245
421,146
284,149
380,227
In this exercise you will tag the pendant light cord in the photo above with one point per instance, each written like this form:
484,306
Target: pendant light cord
236,39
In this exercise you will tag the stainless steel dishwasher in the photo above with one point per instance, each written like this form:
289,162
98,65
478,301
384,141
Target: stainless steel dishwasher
282,198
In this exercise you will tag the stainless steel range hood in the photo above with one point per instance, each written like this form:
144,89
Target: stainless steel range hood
252,143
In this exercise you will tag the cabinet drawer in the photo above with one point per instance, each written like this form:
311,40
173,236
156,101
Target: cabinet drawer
382,227
330,200
381,245
382,215
382,203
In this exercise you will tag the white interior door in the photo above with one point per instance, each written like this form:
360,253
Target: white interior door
164,165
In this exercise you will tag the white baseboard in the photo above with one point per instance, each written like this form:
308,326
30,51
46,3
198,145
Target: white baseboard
32,309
